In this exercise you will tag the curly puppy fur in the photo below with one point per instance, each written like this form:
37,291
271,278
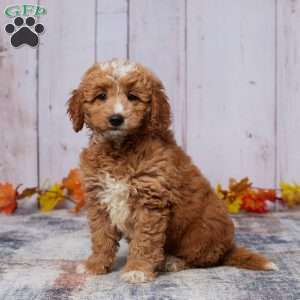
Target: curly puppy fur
140,185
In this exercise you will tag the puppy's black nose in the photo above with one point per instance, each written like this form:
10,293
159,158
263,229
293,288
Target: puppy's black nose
116,120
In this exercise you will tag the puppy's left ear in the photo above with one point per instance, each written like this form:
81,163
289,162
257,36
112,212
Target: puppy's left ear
75,110
160,116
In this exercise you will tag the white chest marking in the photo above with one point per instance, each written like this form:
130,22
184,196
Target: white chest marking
115,195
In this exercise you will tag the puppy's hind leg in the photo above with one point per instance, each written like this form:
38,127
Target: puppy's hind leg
203,244
174,264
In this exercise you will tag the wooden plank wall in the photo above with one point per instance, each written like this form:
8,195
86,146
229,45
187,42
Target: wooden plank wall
231,69
288,89
231,88
18,109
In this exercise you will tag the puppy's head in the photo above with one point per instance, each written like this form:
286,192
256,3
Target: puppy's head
117,98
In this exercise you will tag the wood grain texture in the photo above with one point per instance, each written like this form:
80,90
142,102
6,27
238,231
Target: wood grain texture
111,30
68,49
288,89
157,39
230,87
18,135
231,70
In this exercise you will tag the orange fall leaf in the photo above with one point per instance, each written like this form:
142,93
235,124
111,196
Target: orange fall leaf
8,198
75,189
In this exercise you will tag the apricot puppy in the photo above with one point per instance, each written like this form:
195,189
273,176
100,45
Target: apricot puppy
140,185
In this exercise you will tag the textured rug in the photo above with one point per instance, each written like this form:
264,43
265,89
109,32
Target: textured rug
39,254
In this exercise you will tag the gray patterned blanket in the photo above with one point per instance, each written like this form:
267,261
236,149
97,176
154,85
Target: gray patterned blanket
39,254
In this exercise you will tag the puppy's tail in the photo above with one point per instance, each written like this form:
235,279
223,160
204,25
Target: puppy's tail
243,258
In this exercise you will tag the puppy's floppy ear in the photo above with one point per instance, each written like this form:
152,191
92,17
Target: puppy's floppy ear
75,110
160,116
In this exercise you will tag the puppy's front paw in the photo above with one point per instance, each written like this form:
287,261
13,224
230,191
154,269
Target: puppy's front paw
90,270
92,266
136,276
81,269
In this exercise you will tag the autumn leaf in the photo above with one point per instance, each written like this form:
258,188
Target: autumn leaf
252,202
79,200
232,196
239,187
28,192
72,181
220,192
234,205
290,193
241,195
49,199
268,194
8,201
255,200
75,189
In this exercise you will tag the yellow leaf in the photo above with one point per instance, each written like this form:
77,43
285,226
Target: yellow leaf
290,193
49,199
220,191
234,206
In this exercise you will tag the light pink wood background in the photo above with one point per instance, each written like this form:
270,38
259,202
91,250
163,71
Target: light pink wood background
231,69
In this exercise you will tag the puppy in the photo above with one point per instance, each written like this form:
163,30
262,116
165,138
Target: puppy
141,186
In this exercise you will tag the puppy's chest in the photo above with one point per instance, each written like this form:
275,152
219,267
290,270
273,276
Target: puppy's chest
114,194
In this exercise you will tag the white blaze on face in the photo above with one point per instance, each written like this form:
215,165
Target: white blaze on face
118,108
119,67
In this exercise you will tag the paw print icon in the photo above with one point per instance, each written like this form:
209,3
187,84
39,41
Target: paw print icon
24,32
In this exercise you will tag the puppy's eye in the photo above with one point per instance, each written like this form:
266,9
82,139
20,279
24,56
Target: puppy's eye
132,97
102,96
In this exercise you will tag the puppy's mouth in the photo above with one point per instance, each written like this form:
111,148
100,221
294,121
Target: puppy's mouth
115,129
114,134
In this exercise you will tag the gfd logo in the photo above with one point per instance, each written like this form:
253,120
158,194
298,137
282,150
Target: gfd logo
24,29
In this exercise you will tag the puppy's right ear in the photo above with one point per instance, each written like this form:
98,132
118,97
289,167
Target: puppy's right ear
75,110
